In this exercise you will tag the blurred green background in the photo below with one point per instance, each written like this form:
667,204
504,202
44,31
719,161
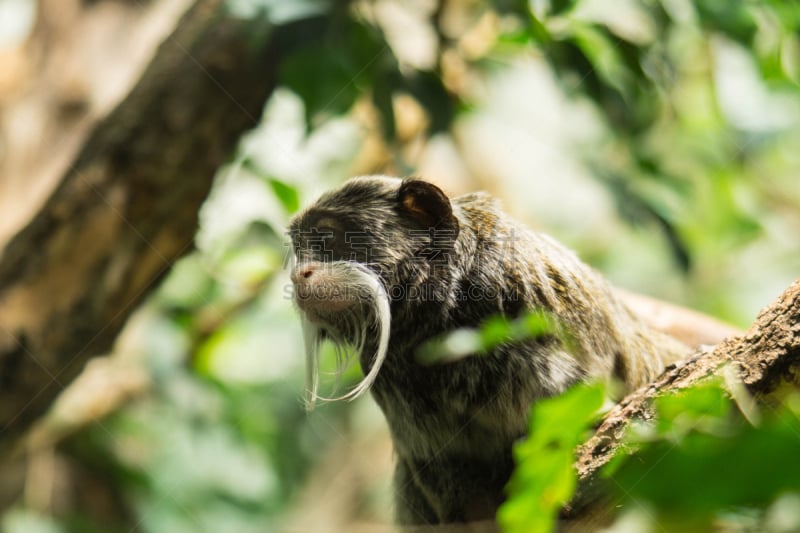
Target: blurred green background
658,138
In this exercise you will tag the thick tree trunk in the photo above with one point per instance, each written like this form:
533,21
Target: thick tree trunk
123,205
126,206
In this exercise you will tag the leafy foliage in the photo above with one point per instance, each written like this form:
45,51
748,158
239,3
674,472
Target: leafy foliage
342,55
545,478
703,463
699,465
636,78
497,330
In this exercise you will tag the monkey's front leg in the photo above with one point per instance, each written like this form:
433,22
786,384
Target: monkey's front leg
445,490
411,505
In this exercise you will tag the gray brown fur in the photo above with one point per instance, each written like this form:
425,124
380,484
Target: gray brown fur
453,425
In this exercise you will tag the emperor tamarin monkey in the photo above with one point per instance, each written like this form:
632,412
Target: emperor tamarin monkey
384,264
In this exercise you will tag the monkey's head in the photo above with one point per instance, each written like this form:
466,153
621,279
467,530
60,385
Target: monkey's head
360,248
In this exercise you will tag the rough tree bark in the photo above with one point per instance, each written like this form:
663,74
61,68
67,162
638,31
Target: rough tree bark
121,205
763,358
126,207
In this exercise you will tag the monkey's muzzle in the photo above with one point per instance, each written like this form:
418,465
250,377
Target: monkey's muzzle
324,288
345,302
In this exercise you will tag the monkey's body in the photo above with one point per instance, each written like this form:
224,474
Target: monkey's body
453,424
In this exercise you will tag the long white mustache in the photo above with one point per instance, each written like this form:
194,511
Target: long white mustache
370,292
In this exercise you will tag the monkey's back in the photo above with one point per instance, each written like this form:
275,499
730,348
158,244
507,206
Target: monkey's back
454,424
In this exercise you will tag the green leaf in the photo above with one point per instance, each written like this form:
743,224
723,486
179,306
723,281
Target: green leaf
604,55
565,418
641,201
731,17
704,407
545,478
720,468
455,345
558,7
286,194
429,90
335,67
323,78
382,89
494,331
747,466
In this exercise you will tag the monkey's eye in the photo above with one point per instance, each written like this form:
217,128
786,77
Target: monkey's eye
336,239
327,235
325,232
322,242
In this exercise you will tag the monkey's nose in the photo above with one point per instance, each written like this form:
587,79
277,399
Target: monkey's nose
303,272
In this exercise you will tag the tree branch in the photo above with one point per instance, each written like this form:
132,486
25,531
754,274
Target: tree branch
126,207
766,356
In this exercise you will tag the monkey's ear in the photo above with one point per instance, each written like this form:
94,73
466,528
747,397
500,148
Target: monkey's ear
427,205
